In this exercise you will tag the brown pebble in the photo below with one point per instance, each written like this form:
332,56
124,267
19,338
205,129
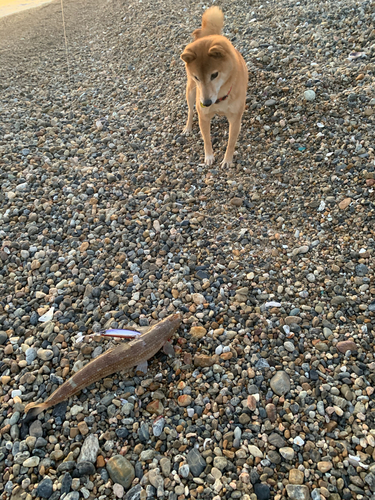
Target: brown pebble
296,476
324,466
197,332
84,246
236,202
155,407
74,431
344,203
184,400
346,345
251,402
8,350
271,412
83,428
203,361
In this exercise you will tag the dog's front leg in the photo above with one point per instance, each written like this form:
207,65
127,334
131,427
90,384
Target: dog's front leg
204,125
190,98
234,130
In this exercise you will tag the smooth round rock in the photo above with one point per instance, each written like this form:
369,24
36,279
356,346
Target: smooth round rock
280,383
121,470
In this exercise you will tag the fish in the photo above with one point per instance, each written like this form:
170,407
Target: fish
123,357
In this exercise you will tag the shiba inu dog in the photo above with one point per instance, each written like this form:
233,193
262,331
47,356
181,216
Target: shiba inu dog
217,79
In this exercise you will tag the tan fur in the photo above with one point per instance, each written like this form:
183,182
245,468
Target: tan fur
209,54
212,23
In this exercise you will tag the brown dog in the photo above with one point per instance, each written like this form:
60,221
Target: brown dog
217,81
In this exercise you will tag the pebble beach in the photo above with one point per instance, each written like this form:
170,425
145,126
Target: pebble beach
110,219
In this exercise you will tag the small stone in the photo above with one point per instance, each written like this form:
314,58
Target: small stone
158,426
324,466
45,488
271,412
36,429
220,462
287,453
244,418
309,95
184,400
296,476
297,492
280,383
166,466
85,469
31,462
184,470
196,462
338,300
262,491
251,402
30,355
236,202
147,455
361,270
197,332
45,354
157,482
345,203
73,495
118,490
203,361
83,428
155,407
346,345
198,298
276,440
120,470
89,450
255,451
134,493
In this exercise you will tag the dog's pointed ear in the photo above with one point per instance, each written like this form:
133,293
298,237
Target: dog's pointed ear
217,51
197,33
188,56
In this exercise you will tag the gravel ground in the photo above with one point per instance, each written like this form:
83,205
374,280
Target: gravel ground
109,216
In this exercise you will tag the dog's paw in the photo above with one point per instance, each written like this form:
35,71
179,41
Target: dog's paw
209,159
227,163
187,131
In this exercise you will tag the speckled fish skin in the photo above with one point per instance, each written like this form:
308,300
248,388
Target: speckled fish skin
121,358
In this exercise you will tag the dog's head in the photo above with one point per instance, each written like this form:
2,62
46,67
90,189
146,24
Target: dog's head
209,62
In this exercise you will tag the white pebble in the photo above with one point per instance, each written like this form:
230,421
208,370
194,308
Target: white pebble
309,95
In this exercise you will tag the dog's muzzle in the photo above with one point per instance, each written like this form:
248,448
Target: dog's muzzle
206,103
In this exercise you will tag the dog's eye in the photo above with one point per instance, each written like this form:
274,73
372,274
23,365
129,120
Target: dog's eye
196,78
214,75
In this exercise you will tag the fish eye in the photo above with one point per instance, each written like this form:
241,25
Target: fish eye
196,78
214,75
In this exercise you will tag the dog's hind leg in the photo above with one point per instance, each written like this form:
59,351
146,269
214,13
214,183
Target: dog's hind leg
234,130
190,97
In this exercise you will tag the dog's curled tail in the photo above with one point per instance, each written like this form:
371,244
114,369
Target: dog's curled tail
212,23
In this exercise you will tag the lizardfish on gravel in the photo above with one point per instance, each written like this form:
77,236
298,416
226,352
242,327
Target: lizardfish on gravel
122,357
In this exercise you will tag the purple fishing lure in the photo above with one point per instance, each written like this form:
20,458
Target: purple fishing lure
118,333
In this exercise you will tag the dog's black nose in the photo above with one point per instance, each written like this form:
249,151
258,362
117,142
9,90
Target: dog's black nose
207,102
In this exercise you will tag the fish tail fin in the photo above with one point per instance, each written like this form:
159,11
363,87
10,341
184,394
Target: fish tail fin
33,409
